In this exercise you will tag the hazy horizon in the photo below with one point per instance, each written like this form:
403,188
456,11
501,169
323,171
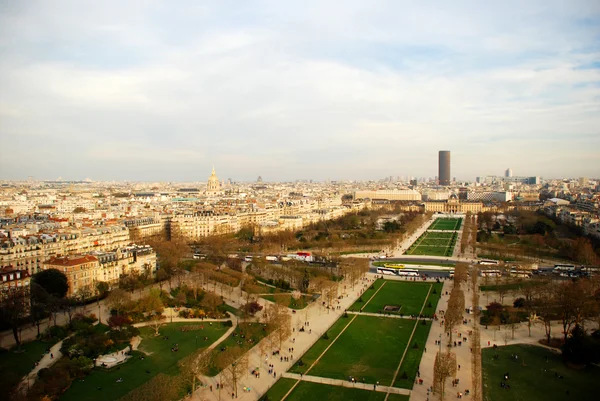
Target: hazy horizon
163,91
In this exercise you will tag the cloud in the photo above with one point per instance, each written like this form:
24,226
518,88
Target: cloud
298,89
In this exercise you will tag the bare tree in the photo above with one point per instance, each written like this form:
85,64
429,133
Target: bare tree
444,367
194,365
234,365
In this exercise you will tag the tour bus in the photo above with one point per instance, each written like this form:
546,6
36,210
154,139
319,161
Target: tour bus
490,273
520,273
398,272
567,268
488,262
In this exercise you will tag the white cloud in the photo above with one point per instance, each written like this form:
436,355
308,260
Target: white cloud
307,90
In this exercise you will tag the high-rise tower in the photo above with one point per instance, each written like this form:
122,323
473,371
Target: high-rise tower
444,167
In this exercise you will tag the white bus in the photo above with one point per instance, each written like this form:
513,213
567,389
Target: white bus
488,262
398,272
565,268
490,273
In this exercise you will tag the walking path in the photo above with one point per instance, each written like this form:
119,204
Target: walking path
345,383
47,360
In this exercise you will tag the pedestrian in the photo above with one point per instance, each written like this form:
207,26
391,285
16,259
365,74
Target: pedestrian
51,356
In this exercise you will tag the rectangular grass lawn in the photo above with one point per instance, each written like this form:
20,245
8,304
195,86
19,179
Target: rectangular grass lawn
446,224
318,347
412,359
317,391
534,379
366,295
279,389
409,295
135,371
369,349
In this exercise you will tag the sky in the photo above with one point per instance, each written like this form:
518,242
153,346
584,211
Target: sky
165,90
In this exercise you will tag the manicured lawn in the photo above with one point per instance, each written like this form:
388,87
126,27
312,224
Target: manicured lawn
366,295
412,359
534,379
433,298
446,224
317,349
279,389
398,397
15,365
299,303
434,244
409,295
252,333
369,349
316,391
135,372
510,286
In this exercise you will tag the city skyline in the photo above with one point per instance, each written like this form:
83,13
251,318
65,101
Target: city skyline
288,91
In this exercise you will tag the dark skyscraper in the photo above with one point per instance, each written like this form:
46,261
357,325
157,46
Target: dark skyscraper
444,167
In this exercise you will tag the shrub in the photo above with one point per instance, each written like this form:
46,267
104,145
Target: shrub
415,345
325,336
228,323
54,333
519,303
404,375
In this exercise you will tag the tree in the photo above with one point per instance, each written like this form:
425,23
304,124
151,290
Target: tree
153,306
14,307
161,276
194,365
444,367
53,281
119,300
234,364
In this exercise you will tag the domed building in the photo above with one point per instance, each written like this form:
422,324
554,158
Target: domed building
213,186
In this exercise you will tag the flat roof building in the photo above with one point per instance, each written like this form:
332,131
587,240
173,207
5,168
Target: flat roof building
444,167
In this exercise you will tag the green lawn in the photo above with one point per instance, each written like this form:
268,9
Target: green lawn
252,333
397,397
409,295
317,391
15,365
509,286
317,349
534,379
299,303
434,298
433,244
135,372
279,389
412,359
446,224
369,349
366,295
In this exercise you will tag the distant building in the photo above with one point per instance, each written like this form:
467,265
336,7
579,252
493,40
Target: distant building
444,167
508,173
213,186
453,205
391,195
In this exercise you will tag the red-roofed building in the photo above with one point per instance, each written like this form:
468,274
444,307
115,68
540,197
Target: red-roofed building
81,272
